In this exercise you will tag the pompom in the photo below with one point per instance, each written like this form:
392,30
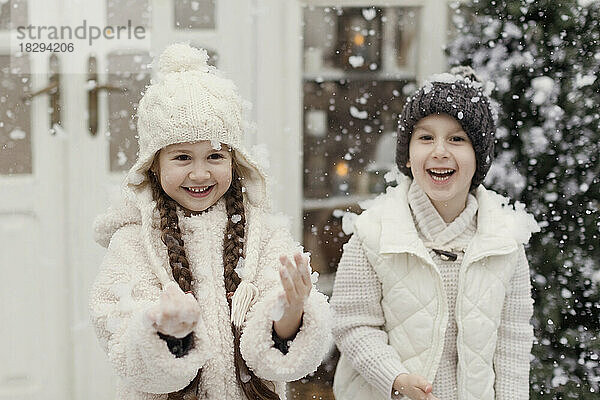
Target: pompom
181,57
466,72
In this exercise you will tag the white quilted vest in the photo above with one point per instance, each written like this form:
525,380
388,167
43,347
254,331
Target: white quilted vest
414,300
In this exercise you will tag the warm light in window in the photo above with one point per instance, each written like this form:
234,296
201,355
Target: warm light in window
359,39
341,169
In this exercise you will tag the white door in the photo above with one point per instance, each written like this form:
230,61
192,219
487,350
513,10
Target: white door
34,286
53,183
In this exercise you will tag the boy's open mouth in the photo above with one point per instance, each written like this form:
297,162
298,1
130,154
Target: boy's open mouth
440,174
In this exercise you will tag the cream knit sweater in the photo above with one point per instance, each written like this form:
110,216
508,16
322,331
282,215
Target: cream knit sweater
357,294
453,237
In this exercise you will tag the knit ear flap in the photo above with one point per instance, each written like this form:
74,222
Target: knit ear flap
466,72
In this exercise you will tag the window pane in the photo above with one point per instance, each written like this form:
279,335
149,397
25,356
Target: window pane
358,68
194,14
406,37
15,116
12,14
119,13
349,140
122,106
361,39
359,65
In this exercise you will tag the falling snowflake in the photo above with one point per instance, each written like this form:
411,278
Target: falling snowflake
17,134
356,113
356,61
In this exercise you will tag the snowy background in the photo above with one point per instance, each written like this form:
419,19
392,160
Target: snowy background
544,57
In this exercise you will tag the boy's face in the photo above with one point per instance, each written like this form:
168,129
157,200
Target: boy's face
442,160
195,175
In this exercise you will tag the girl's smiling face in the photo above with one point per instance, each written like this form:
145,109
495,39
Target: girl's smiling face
195,175
442,162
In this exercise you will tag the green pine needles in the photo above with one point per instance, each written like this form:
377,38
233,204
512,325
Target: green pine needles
544,57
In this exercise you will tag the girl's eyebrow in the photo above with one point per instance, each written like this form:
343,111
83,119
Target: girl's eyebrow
221,151
178,150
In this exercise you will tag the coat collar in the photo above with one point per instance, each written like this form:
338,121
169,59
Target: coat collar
141,210
498,225
398,231
492,236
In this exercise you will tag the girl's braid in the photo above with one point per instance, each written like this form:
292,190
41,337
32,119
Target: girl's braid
233,248
233,242
171,237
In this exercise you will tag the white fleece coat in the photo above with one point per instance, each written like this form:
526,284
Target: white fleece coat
135,269
414,307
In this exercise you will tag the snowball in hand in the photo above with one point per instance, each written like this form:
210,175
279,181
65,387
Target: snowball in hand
176,313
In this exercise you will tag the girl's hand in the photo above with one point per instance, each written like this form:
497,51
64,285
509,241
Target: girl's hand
295,280
297,285
176,313
414,386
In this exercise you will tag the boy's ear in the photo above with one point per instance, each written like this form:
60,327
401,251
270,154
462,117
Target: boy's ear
408,164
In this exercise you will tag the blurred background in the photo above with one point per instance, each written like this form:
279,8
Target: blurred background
327,80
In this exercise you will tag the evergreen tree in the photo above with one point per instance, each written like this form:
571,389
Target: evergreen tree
544,57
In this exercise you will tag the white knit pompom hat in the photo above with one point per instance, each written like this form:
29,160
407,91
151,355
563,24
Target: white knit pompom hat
191,101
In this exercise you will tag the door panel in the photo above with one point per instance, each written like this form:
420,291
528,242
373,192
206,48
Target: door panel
15,114
33,290
20,230
122,105
55,180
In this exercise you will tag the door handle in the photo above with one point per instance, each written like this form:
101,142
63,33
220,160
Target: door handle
53,90
93,89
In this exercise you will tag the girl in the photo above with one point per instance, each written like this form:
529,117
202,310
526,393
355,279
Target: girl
190,302
432,298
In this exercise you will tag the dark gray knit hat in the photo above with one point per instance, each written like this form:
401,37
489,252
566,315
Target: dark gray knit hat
461,95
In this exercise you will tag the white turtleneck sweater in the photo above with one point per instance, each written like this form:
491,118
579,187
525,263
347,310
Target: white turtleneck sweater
356,302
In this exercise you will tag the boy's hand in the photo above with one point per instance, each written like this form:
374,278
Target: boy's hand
176,313
414,386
